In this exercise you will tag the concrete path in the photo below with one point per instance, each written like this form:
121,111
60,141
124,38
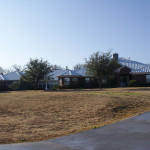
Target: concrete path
130,134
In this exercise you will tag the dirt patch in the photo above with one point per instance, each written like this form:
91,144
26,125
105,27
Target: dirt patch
27,116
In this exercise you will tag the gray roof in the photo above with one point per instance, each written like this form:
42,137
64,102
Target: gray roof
81,71
144,69
2,77
134,65
56,73
78,72
12,76
70,73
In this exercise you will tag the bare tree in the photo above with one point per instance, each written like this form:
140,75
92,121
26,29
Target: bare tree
79,66
56,67
7,70
2,71
16,67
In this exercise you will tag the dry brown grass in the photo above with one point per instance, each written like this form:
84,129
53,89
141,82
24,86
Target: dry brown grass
27,116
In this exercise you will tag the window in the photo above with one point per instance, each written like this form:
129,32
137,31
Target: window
147,78
66,81
87,80
75,81
56,82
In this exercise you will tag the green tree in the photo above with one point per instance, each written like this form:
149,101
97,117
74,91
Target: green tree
36,70
101,65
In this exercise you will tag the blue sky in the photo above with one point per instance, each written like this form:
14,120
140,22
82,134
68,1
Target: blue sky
64,32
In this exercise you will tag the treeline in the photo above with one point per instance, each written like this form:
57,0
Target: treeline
14,67
99,65
20,68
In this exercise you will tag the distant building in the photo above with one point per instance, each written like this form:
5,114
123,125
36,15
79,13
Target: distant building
10,78
130,70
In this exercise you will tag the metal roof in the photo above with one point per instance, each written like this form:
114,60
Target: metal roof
81,71
134,65
56,73
78,72
12,76
70,73
143,69
2,77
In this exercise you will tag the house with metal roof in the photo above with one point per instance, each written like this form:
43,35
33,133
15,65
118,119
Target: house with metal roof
69,78
132,70
10,78
74,79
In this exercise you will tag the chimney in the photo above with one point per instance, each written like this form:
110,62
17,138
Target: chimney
67,68
115,56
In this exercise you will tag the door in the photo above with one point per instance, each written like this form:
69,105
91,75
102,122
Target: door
124,80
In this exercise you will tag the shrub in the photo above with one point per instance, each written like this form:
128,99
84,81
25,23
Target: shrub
14,86
133,83
21,86
3,88
55,87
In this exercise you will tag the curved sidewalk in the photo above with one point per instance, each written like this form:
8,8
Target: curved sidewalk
130,134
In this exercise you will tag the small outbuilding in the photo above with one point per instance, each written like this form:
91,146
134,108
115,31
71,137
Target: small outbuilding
74,79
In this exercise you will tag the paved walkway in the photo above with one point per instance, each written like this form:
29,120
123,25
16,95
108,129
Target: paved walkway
130,134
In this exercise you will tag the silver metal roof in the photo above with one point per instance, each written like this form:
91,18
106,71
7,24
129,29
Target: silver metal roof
12,76
144,69
56,73
81,71
70,73
134,65
2,77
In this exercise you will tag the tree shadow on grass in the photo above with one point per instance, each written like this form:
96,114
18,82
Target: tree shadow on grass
139,89
76,90
4,91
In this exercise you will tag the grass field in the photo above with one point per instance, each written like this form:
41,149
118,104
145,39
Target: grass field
27,116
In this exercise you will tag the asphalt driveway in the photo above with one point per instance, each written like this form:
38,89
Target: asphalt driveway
130,134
